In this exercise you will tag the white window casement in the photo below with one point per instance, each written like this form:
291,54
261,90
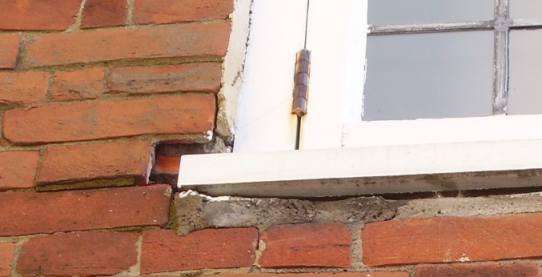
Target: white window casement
405,96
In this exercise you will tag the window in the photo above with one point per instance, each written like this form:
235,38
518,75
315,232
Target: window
441,93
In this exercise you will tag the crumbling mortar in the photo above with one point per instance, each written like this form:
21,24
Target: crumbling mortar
357,251
76,26
202,272
121,97
18,251
130,13
39,166
134,270
156,138
83,184
129,62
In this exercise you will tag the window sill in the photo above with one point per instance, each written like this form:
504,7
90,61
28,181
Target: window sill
366,170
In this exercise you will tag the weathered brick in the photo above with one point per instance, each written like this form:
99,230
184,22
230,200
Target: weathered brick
9,49
78,254
23,87
165,251
307,245
104,13
7,253
478,270
37,14
32,213
96,161
167,165
205,77
165,41
357,274
181,114
168,11
452,239
79,84
17,169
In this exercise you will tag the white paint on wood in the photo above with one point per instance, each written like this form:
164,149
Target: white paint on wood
328,170
446,130
337,39
264,120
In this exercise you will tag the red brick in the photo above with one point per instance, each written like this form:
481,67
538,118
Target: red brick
96,161
7,252
168,11
478,270
357,274
32,213
165,41
37,14
78,254
23,87
165,251
452,239
104,13
17,169
307,245
204,77
167,165
9,49
79,84
182,114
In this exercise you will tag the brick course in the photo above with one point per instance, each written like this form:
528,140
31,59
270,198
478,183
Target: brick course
9,50
101,119
23,88
96,161
168,41
169,11
165,251
41,15
104,13
307,245
18,169
78,84
25,213
452,239
7,253
204,77
78,254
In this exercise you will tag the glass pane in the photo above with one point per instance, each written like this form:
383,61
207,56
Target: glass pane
526,8
429,76
525,72
387,12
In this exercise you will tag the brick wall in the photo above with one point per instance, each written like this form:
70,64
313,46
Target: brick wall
88,88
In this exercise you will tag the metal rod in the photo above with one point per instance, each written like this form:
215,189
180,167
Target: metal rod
307,23
298,133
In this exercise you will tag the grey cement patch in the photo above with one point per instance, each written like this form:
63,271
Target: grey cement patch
195,211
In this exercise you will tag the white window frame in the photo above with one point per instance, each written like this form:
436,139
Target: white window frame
336,148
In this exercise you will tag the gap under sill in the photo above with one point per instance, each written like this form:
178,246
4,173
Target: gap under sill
366,170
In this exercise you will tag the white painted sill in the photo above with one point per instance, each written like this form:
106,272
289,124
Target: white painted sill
367,170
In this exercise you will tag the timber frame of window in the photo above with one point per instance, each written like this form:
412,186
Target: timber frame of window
340,155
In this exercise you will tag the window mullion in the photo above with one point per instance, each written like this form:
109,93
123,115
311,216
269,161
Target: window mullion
502,39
